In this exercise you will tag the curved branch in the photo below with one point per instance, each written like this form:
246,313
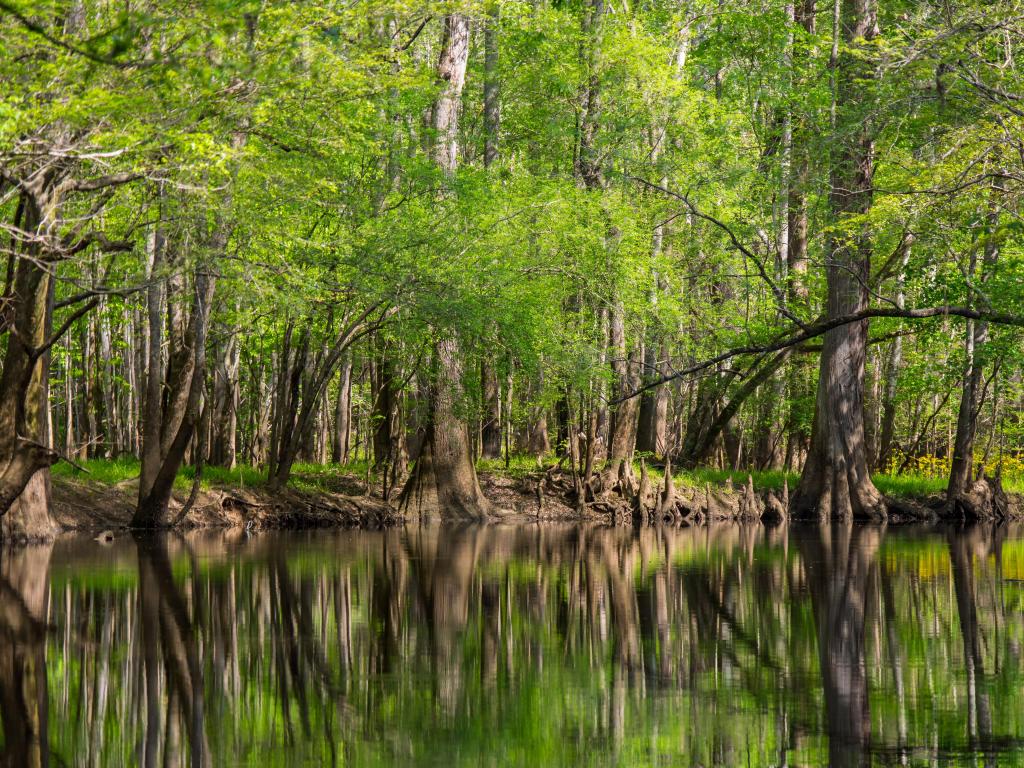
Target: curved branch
780,297
821,327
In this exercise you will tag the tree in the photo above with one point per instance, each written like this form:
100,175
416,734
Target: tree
836,480
444,478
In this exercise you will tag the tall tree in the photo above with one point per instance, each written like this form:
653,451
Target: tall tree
958,499
444,479
836,480
490,429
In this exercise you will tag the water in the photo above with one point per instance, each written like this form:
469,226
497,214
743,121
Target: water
531,646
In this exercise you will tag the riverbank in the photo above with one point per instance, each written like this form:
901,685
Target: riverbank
348,495
105,495
318,496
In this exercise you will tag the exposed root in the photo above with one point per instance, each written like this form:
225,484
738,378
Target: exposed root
984,500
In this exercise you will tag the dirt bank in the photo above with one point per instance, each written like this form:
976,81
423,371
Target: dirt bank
84,504
80,503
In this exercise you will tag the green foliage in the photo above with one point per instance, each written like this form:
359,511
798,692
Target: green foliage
303,132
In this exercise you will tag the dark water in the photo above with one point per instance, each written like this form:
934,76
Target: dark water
730,645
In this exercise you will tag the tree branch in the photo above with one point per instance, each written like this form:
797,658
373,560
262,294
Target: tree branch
780,297
39,351
823,326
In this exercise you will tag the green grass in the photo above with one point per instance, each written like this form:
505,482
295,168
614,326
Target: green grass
892,485
241,476
319,477
123,470
519,466
106,471
909,485
771,479
906,485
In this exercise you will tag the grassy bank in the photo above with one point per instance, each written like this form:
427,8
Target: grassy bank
326,477
905,485
312,477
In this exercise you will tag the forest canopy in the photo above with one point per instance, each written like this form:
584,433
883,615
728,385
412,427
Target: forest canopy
747,235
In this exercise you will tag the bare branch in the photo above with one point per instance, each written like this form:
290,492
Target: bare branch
780,297
823,326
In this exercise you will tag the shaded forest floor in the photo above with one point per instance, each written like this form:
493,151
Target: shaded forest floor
339,495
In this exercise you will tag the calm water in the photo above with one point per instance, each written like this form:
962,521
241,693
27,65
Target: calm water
553,645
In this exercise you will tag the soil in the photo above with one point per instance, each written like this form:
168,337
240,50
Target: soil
90,505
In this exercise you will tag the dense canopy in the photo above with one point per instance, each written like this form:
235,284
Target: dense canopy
742,234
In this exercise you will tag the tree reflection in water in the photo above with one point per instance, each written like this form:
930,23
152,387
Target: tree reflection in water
24,698
528,645
839,564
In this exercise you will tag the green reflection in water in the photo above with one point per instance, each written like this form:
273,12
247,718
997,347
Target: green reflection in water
532,645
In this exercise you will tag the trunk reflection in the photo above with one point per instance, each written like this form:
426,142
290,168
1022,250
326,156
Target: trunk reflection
464,645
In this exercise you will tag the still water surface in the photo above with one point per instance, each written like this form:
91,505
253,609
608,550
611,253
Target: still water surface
533,646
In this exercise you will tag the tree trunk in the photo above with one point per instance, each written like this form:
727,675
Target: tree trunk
895,364
836,480
650,436
492,88
386,416
444,479
25,455
224,451
622,434
588,164
962,464
152,416
653,419
167,438
302,386
532,433
343,414
707,420
796,257
490,429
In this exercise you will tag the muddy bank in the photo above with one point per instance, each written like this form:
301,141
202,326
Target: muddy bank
549,496
83,504
87,505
